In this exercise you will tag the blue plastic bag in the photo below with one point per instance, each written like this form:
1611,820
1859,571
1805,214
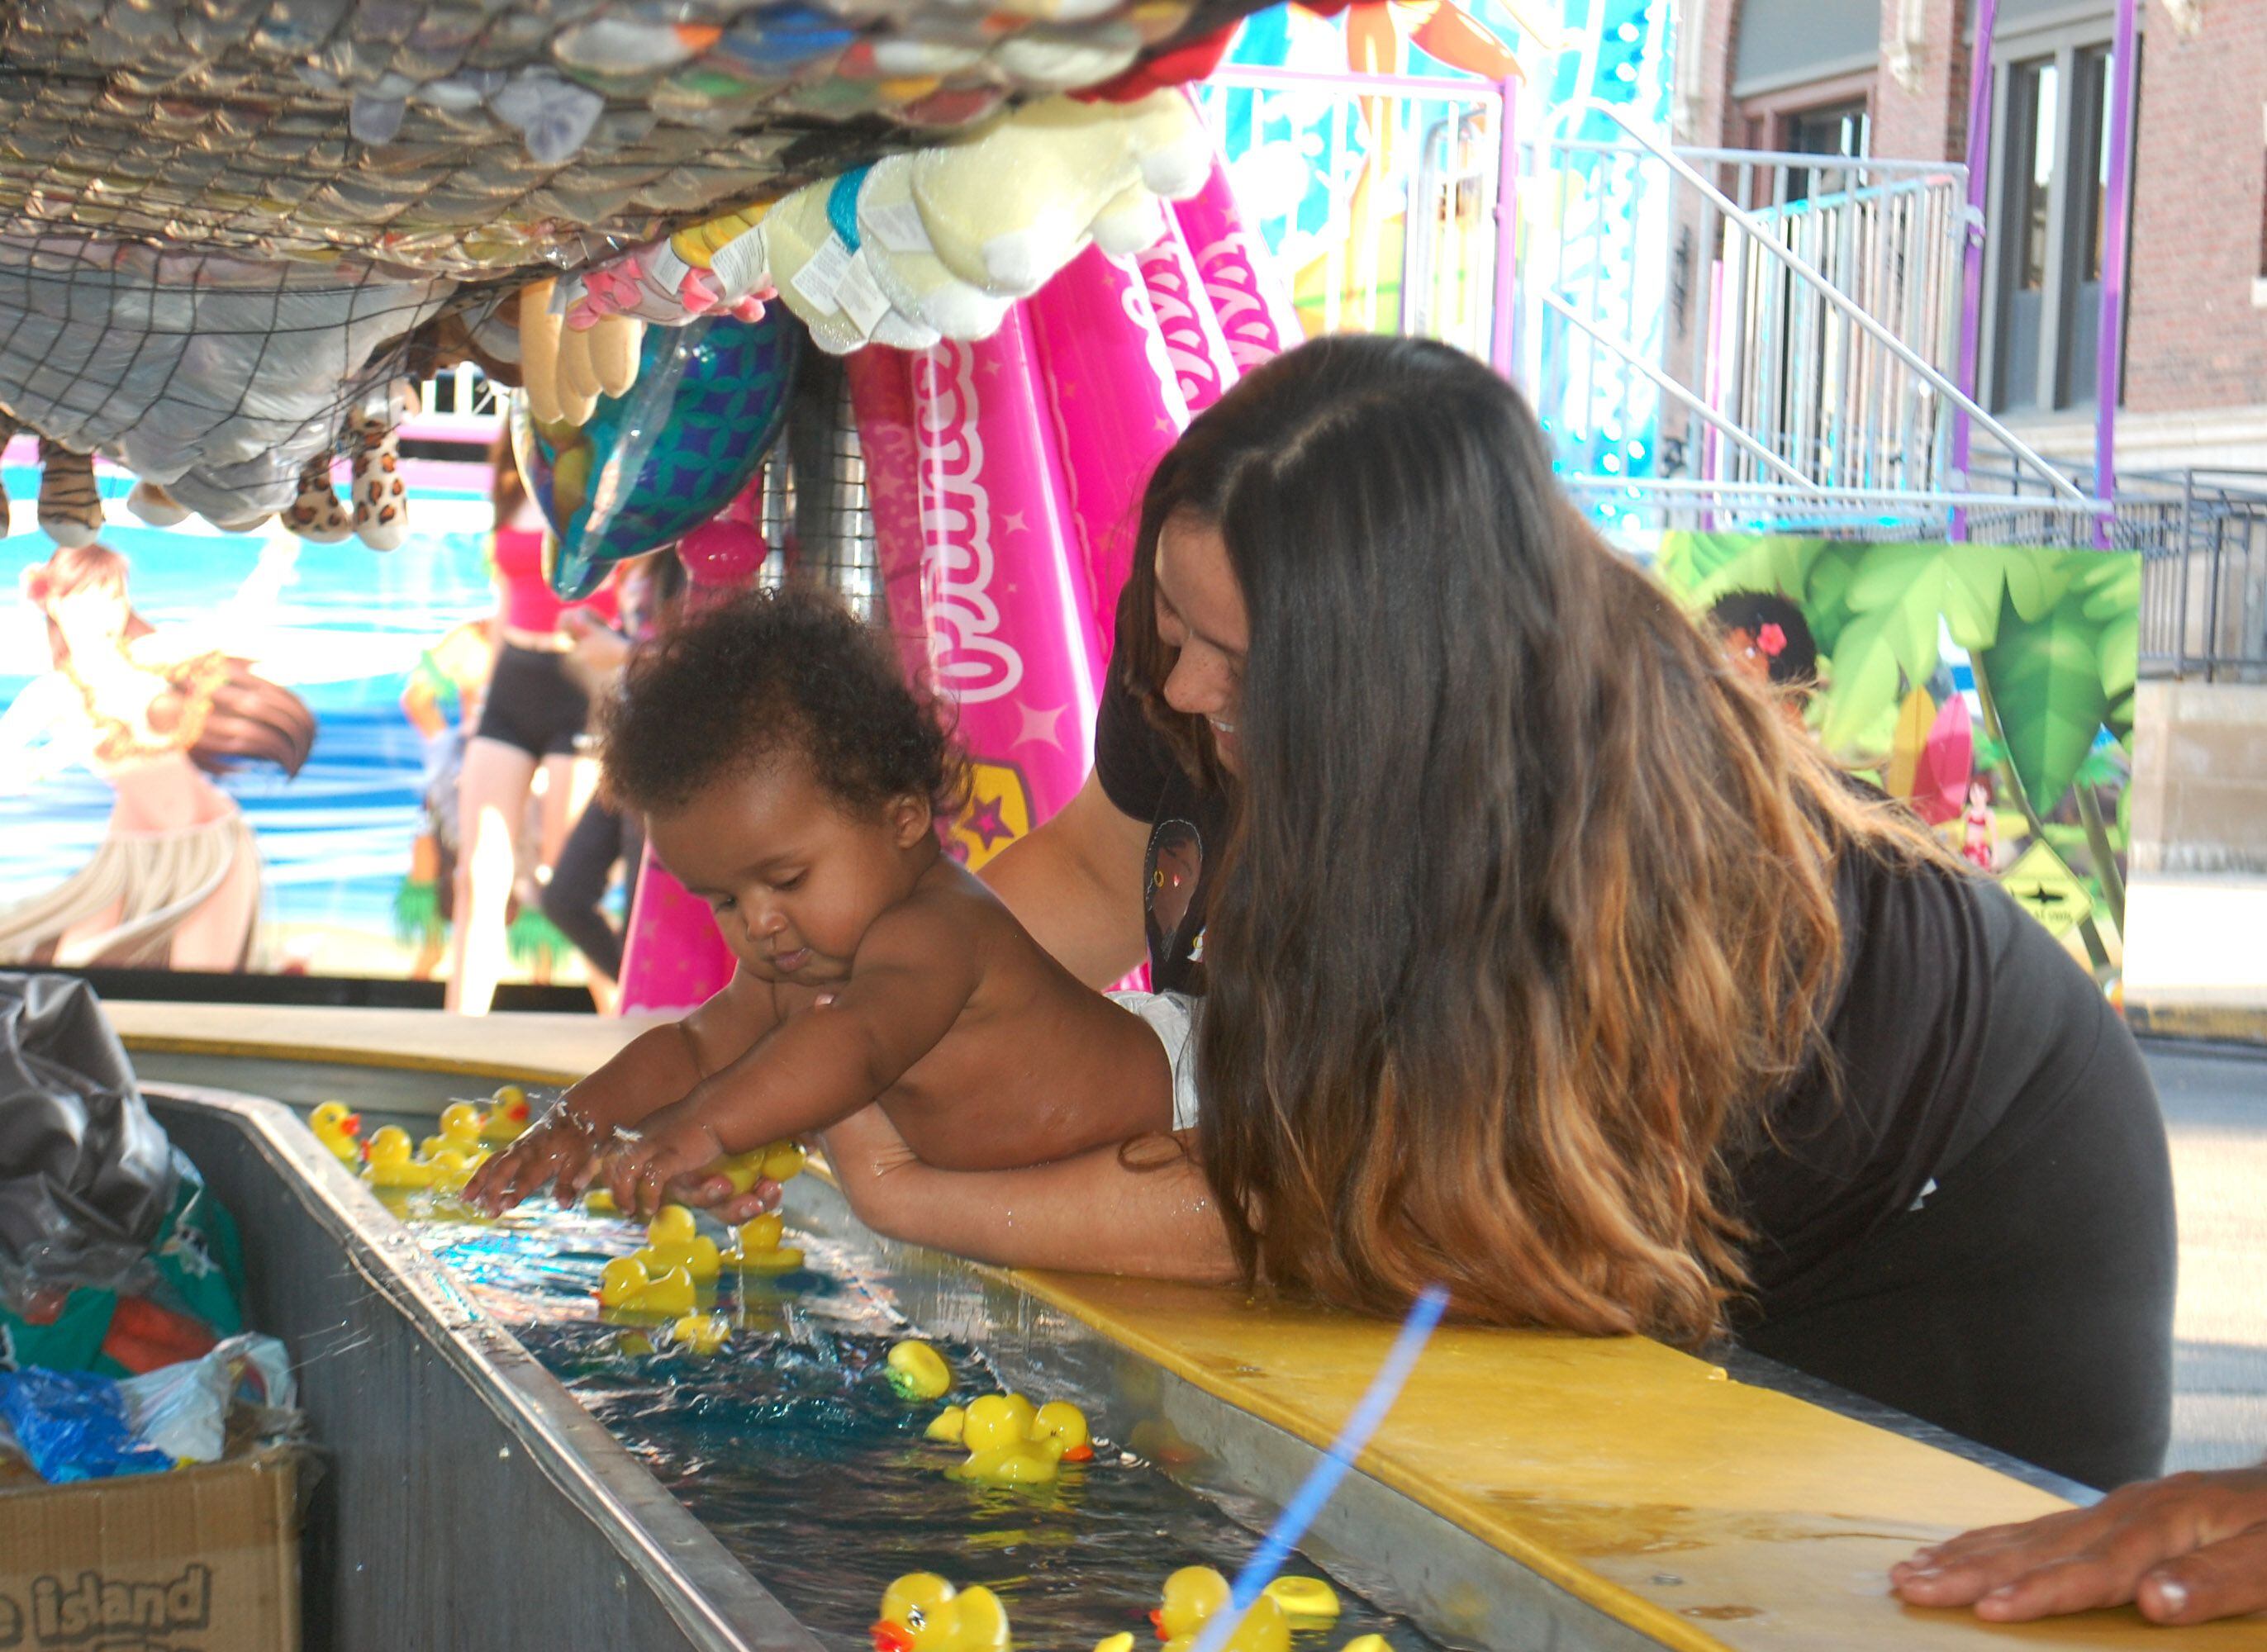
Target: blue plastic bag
73,1425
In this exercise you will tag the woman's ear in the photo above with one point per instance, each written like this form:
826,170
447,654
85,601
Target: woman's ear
911,818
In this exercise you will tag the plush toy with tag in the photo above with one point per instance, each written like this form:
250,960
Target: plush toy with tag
1006,211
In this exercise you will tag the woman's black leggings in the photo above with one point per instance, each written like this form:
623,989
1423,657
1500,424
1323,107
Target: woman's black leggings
579,879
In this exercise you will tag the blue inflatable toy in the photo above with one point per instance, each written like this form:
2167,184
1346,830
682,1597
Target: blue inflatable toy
670,453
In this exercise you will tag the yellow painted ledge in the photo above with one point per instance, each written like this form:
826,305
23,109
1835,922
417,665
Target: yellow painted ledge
1703,1512
540,1048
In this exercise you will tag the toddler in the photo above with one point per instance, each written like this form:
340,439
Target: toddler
787,776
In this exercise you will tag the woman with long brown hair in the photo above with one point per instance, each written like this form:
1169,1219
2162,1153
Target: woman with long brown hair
176,881
1541,959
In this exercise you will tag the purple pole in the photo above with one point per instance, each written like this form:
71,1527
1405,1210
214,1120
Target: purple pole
2110,346
1971,276
1507,228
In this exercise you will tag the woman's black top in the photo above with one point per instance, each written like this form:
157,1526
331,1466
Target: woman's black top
1963,1209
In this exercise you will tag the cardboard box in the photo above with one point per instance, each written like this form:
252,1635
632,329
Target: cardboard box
202,1560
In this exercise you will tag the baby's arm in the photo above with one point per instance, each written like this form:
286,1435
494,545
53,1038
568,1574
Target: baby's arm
661,1065
914,973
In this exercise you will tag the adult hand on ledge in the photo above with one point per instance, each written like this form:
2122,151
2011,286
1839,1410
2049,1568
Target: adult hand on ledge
2184,1549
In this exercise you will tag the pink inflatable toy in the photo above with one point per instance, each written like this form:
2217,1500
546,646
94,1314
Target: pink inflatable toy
1116,405
673,958
1254,310
1199,349
1002,591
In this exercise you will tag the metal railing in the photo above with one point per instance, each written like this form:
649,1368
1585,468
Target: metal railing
1735,325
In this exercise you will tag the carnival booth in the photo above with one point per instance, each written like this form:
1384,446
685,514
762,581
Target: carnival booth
746,272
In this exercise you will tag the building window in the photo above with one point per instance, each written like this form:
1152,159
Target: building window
1840,128
2051,217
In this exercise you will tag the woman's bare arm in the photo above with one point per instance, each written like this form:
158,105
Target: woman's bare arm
1145,1210
1076,884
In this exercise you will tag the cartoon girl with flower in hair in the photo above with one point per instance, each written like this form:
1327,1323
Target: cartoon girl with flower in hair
176,881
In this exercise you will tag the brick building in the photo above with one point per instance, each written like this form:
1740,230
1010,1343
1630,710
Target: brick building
1890,79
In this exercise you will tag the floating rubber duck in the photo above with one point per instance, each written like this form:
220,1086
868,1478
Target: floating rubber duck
1368,1643
627,1287
599,1202
775,1161
922,1612
1065,1425
460,1133
999,1423
392,1163
508,1120
674,1240
1009,1446
338,1129
704,1333
1194,1593
1119,1642
756,1248
918,1371
1308,1602
451,1170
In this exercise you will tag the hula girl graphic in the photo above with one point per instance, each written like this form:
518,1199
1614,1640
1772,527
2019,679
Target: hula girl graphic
176,881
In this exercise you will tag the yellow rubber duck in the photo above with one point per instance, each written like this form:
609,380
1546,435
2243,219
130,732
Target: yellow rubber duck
1368,1643
460,1133
756,1248
1119,1642
392,1163
338,1129
1194,1593
1002,1431
674,1240
1065,1425
1007,1446
704,1333
508,1120
922,1612
598,1202
1308,1602
451,1170
775,1161
918,1371
627,1287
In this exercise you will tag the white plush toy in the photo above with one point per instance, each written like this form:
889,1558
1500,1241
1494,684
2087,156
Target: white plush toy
819,275
920,288
1004,211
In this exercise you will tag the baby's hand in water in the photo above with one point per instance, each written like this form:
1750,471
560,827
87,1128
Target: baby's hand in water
673,1144
561,1148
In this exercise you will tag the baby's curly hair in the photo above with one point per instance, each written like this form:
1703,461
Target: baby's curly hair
729,687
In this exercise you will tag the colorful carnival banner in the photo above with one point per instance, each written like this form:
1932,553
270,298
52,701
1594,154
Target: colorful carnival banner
1990,685
145,825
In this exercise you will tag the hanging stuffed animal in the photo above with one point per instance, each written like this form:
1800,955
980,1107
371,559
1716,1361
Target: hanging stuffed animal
71,505
316,515
381,502
151,501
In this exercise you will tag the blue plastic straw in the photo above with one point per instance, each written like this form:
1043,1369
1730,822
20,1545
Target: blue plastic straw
1323,1480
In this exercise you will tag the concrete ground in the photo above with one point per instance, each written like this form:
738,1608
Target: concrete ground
2216,1109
